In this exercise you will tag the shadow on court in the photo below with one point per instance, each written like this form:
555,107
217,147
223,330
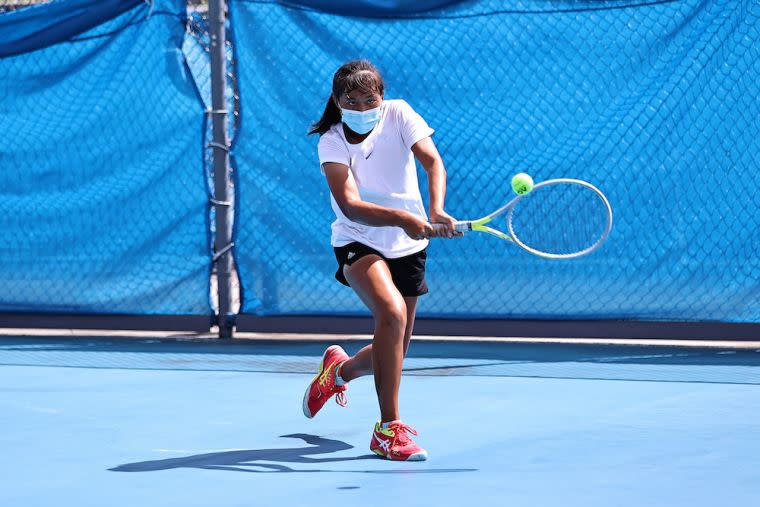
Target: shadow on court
269,459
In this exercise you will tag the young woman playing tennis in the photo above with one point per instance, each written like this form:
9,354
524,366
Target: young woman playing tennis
366,150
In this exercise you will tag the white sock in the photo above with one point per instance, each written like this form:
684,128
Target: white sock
338,379
386,424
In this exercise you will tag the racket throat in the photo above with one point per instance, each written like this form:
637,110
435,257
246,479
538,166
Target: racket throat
473,225
479,225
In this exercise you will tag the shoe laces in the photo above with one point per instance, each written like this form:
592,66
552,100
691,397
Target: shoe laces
327,379
401,429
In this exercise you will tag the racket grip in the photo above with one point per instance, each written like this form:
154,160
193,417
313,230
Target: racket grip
462,226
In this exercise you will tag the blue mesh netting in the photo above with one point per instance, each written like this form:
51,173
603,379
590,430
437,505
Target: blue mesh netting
103,198
655,102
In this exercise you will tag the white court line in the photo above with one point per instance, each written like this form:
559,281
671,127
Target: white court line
185,451
178,335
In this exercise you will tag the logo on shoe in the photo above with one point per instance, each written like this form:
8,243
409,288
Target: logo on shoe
384,444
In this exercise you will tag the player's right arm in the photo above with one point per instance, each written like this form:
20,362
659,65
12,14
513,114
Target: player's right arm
346,194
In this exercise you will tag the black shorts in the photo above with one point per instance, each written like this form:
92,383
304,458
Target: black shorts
408,272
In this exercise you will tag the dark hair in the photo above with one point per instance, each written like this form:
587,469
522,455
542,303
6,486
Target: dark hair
354,75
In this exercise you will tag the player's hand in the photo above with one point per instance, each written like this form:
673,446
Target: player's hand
447,224
417,228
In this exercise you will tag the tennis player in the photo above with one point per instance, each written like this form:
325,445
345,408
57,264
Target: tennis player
366,149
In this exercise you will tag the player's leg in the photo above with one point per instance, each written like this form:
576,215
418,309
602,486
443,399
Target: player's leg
372,281
361,363
411,313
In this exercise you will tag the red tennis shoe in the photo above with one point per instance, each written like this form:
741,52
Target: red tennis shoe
323,386
394,443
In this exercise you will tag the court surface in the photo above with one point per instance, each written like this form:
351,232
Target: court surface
94,421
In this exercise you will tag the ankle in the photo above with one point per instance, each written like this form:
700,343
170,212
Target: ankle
339,380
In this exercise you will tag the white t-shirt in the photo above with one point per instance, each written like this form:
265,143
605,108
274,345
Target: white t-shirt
385,173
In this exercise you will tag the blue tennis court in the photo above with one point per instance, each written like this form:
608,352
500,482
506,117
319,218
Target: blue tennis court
166,421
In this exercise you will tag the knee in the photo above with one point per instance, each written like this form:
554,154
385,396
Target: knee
392,315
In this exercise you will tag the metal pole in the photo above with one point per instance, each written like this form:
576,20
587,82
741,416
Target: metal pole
223,241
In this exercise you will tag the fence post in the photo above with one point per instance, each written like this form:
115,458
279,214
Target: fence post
221,156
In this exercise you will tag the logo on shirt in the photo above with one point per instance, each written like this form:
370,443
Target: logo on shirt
350,255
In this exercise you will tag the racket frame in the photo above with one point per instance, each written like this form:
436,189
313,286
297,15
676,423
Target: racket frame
479,225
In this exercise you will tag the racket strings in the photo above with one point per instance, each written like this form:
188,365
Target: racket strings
560,219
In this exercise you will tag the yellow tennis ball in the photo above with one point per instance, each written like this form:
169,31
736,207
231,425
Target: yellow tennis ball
522,183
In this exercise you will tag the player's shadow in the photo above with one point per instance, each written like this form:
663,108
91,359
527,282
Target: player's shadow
269,459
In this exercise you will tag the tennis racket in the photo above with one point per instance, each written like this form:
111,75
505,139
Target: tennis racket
559,219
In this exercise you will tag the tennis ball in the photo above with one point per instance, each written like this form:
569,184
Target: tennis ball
522,183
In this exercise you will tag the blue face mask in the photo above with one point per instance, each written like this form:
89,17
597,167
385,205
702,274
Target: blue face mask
361,122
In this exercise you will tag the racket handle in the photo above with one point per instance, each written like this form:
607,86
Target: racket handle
462,226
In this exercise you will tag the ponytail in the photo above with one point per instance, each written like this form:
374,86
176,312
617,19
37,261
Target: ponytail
330,117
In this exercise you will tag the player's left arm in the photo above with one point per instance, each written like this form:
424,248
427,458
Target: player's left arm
426,152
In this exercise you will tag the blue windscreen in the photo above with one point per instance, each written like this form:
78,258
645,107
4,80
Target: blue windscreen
103,198
370,8
40,25
656,103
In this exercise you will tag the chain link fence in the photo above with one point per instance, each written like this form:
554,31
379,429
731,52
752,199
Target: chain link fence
9,5
197,51
654,102
104,207
107,179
